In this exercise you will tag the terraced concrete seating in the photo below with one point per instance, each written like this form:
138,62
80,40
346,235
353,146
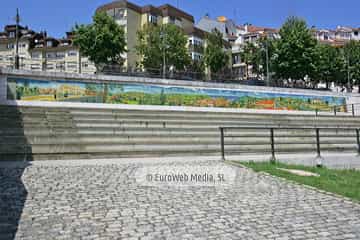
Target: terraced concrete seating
78,133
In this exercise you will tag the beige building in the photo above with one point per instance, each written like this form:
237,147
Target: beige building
38,52
133,17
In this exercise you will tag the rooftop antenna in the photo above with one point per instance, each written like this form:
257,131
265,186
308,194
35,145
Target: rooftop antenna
17,19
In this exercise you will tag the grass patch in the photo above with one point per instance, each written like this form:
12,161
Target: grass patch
342,182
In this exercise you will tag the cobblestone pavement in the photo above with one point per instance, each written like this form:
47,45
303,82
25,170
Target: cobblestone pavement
108,202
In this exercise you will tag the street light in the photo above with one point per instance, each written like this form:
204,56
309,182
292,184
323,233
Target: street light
267,63
165,47
348,72
17,18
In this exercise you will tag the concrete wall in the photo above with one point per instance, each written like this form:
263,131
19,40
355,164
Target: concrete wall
350,98
3,87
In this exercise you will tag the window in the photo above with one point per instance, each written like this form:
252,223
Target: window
10,46
49,43
49,66
1,58
356,33
35,55
60,65
72,53
119,13
51,55
153,19
172,19
85,64
35,66
71,65
60,55
11,34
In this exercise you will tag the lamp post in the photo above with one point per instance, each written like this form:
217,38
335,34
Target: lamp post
17,18
267,63
348,72
164,49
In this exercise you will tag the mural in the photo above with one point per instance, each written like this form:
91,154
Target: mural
141,94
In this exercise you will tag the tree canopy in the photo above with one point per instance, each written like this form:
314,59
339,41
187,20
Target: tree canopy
103,41
294,55
215,57
156,41
351,60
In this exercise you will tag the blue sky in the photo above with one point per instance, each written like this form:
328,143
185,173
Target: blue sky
59,16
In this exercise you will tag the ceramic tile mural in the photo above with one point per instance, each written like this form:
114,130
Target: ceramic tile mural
143,94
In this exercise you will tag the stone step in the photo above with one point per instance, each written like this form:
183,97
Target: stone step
181,139
169,147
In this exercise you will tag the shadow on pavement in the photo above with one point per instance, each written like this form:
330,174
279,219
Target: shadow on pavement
15,154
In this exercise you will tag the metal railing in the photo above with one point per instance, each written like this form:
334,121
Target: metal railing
343,108
272,143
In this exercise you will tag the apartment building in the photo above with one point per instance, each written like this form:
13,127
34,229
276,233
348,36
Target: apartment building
39,52
224,25
337,37
133,17
248,34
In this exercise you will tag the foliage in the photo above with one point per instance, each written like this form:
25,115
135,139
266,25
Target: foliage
215,57
269,45
103,41
251,57
197,68
329,64
295,55
351,60
343,182
155,41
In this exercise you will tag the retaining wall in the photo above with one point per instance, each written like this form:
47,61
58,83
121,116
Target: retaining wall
8,83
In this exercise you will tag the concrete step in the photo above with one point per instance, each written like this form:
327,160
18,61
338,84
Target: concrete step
180,139
169,147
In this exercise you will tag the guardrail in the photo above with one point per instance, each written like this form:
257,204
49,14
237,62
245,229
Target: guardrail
272,143
337,109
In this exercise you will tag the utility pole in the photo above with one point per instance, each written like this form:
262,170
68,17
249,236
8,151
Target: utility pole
348,72
163,35
267,63
17,18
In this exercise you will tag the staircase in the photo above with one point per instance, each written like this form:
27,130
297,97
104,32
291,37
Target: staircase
38,133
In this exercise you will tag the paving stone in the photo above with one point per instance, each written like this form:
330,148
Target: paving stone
107,202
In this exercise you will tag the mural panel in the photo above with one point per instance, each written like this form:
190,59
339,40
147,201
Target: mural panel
143,94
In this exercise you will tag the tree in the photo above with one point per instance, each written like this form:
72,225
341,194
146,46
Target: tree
295,52
266,48
251,56
158,43
328,65
215,57
102,42
351,61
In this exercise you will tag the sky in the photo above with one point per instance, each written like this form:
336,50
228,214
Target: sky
57,17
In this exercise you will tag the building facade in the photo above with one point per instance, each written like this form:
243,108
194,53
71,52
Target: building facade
133,18
39,52
338,37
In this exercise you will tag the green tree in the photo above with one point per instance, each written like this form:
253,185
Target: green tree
251,55
103,41
351,60
295,52
328,65
215,57
156,41
266,48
